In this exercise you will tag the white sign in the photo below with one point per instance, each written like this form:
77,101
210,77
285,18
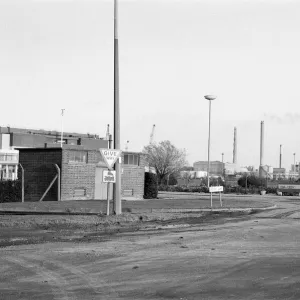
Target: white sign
109,176
110,156
214,189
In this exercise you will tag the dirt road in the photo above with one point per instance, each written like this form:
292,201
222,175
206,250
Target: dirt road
252,257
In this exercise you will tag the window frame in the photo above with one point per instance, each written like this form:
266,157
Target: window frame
131,159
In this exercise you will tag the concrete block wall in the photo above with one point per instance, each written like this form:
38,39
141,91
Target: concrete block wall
133,177
39,171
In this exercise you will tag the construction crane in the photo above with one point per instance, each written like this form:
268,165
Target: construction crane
152,134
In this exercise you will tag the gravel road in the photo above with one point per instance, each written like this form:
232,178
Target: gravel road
248,257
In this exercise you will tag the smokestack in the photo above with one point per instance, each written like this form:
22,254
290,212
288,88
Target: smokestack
261,149
280,157
235,146
262,125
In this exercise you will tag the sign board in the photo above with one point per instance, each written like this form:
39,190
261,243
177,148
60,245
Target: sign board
109,176
215,189
110,156
289,188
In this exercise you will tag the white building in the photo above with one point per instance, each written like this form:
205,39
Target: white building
9,160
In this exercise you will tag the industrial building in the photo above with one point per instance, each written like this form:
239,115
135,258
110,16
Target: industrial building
12,138
216,167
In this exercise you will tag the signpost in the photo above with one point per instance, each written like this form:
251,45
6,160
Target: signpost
216,189
110,156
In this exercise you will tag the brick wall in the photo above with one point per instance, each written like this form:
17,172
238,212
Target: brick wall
39,171
133,177
78,176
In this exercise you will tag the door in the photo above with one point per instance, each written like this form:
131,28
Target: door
100,187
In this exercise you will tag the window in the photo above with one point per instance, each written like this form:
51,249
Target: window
8,157
131,159
78,156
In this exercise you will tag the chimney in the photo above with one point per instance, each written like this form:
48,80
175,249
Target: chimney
235,146
280,157
262,125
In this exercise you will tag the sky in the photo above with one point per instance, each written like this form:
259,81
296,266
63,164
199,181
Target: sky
58,54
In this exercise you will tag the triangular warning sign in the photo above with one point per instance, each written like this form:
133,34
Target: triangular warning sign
110,156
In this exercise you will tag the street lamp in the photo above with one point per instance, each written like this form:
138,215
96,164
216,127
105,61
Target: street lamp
209,98
62,127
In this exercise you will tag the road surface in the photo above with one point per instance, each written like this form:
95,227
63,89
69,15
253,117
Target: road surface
256,257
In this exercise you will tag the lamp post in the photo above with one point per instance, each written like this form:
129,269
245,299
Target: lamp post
62,127
209,98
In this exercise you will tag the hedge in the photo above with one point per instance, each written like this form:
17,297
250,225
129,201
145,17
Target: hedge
151,187
10,191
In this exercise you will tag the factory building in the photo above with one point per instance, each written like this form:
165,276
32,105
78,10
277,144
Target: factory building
12,138
216,167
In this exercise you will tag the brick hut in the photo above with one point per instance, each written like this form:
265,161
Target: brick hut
80,173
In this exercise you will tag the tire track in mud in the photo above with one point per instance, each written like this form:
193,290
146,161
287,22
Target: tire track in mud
55,280
277,215
83,278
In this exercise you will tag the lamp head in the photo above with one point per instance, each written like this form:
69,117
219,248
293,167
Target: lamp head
210,97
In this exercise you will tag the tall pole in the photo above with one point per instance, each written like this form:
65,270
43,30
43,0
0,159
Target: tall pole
280,157
117,185
222,164
208,155
261,149
209,98
62,127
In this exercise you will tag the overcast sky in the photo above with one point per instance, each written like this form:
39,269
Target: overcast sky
59,54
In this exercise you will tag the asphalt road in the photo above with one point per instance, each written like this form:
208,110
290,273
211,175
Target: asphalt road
255,257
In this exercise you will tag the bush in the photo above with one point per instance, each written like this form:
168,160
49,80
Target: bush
10,191
252,180
271,190
151,188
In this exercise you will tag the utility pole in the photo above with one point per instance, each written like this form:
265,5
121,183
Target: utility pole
117,185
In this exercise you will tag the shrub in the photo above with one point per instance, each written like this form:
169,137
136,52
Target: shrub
10,191
252,180
151,188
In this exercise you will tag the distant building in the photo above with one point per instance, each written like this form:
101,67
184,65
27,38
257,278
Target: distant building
216,167
11,138
19,137
9,160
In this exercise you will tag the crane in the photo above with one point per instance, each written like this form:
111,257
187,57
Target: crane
152,134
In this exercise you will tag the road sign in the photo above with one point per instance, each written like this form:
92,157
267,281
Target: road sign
110,156
215,189
109,176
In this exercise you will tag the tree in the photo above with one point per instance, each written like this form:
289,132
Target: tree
165,158
252,180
